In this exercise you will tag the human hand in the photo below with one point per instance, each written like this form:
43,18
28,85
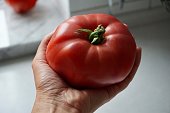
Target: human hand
53,95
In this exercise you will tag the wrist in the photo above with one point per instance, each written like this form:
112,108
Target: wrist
45,104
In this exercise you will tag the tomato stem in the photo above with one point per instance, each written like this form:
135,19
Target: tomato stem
96,36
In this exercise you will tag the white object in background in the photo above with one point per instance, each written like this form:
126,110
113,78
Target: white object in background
4,39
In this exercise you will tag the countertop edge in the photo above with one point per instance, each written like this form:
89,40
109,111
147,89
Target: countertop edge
18,50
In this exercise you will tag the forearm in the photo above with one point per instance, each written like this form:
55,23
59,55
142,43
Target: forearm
46,106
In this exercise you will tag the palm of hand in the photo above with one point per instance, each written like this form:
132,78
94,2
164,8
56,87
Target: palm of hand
50,84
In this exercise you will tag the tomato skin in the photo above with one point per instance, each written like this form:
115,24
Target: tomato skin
21,6
84,65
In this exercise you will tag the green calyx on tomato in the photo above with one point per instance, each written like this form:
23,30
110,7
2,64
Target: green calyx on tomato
96,36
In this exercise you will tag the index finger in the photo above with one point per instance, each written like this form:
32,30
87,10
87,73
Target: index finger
40,54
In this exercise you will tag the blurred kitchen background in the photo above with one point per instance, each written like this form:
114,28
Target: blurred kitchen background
148,20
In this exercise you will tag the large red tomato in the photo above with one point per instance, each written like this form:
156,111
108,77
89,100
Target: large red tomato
92,51
21,6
